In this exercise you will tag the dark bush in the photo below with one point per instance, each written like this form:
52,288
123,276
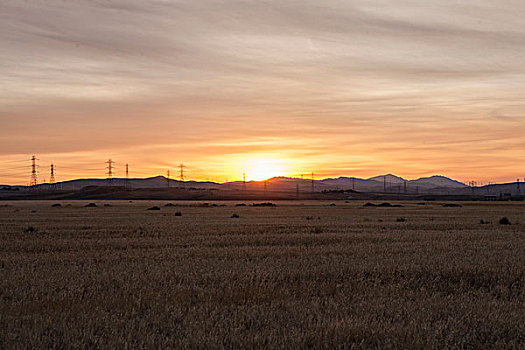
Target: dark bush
266,204
57,205
90,205
169,205
385,205
235,216
504,221
452,205
316,230
30,229
153,208
369,205
332,204
401,220
240,205
178,213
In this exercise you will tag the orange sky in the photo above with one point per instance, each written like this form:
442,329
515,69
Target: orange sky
353,88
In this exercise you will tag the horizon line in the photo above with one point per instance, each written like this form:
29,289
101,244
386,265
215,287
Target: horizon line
372,178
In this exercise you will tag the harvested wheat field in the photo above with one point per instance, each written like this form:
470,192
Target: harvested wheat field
297,275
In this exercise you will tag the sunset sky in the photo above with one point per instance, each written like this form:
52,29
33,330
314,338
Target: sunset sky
340,88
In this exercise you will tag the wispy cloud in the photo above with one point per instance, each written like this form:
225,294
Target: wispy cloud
347,87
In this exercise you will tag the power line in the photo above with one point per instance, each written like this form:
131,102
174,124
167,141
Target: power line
13,174
17,167
14,161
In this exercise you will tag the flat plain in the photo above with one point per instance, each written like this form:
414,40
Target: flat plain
298,275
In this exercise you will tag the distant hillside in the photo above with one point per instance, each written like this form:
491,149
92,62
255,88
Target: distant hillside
151,182
388,183
389,178
274,188
437,181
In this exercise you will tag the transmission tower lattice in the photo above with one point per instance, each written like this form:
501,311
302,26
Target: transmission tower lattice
182,166
34,180
52,174
110,167
127,175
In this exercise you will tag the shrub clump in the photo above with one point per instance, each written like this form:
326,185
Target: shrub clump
207,205
452,205
90,205
153,208
266,204
385,205
169,205
56,205
401,220
504,221
30,229
235,216
178,213
240,205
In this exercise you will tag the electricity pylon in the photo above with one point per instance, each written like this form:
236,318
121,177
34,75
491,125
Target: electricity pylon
34,180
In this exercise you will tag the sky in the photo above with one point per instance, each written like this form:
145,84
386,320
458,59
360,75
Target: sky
266,88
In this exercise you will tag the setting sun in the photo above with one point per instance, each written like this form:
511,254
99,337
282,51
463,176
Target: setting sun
262,169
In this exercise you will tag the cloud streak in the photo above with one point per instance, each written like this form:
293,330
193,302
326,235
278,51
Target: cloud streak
346,87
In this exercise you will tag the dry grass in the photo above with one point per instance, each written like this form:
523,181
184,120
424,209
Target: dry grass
353,276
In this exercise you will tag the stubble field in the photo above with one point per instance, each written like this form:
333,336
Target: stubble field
302,274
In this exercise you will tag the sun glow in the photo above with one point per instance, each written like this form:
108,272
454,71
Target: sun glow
263,169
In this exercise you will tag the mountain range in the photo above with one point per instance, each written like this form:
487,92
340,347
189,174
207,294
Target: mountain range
388,182
281,187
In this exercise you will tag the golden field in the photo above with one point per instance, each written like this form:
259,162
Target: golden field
298,275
